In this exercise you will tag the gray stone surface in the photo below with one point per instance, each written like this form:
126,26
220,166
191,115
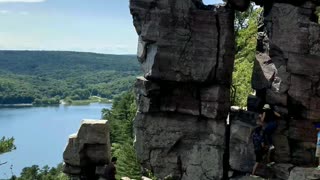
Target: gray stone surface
246,178
289,43
186,51
242,157
90,147
181,42
300,173
176,141
282,171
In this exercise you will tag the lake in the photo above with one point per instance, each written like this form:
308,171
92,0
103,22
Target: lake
41,133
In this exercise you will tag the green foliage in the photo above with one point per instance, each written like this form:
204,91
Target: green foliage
121,118
46,173
242,18
6,145
45,77
246,48
127,164
121,121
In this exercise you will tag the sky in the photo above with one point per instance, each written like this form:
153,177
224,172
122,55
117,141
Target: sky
102,26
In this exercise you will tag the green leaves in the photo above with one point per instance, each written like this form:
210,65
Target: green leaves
121,121
121,118
246,48
127,164
46,173
6,145
44,77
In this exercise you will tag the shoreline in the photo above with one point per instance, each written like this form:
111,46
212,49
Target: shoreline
47,105
16,105
93,99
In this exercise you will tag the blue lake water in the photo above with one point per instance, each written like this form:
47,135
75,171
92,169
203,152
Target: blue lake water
41,133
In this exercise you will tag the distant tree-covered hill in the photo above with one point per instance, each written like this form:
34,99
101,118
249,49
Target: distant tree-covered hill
46,77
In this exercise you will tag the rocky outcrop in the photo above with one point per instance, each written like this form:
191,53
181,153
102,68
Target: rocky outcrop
287,75
184,41
242,156
88,151
299,173
186,51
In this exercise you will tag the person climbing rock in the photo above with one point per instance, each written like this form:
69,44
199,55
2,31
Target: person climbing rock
110,171
270,125
259,145
318,145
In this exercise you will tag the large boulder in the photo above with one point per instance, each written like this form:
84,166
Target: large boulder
300,173
88,149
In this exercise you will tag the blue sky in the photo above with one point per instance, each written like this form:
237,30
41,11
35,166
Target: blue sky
103,26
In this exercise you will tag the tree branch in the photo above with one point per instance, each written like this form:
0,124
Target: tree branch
3,163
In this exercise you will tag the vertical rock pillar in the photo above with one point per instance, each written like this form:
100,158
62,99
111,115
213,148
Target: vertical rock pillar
186,51
287,75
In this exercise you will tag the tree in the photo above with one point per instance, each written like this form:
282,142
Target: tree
121,118
6,145
127,164
242,18
246,41
45,173
30,173
121,121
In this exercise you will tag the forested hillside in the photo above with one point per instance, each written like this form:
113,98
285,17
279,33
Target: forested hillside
45,77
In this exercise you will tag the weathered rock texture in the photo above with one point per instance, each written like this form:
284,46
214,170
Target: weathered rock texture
186,51
287,75
88,151
242,156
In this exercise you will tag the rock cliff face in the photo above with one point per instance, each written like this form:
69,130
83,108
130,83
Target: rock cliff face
186,51
88,151
287,75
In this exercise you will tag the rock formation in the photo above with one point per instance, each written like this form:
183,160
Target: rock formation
287,75
186,51
88,151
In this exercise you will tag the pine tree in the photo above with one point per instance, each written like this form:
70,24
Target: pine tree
127,164
121,118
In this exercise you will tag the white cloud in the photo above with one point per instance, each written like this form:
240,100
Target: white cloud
24,13
4,12
21,1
